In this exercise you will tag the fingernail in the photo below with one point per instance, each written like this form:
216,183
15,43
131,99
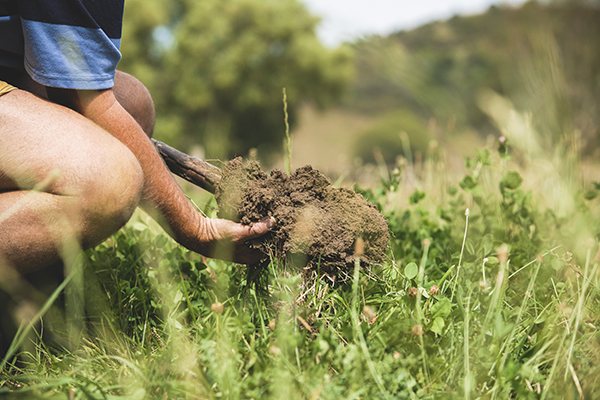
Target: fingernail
269,221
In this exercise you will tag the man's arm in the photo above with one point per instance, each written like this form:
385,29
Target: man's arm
211,237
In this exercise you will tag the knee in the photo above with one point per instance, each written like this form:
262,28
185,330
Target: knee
111,198
136,99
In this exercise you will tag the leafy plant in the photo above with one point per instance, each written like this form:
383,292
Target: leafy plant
216,69
483,296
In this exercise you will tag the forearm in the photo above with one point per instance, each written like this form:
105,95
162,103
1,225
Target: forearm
161,194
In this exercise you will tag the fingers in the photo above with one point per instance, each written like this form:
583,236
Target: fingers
243,254
259,228
223,229
229,239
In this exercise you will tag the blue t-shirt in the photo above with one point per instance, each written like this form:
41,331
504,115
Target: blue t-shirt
71,44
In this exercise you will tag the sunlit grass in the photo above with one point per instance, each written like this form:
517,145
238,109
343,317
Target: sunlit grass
499,303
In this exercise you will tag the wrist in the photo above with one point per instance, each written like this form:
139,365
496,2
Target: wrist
188,231
185,226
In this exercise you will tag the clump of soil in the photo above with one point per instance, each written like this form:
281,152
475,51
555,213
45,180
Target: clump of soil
317,224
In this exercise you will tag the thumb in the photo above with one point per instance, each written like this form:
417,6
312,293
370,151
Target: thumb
261,227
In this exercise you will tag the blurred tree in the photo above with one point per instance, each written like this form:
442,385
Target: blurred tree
217,68
544,56
141,50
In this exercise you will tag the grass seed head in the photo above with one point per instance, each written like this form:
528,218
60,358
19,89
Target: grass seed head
434,290
590,242
217,308
369,315
568,256
503,254
274,350
417,330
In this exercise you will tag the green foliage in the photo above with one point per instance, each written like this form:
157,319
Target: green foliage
487,293
494,309
411,270
511,180
131,266
542,56
591,194
216,69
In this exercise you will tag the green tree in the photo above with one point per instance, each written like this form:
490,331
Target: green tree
141,51
542,56
217,69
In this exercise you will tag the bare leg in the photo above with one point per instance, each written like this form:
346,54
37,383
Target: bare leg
97,189
87,183
136,99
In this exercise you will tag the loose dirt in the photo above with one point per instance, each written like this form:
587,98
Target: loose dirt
317,225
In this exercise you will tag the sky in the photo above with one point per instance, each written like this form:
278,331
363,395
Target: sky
345,20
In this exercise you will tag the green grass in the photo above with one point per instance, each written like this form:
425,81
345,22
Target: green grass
499,303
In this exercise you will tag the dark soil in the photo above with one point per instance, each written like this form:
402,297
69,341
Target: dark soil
317,225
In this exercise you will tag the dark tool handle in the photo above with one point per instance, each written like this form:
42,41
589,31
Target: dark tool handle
192,169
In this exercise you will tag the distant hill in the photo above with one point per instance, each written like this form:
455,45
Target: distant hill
543,57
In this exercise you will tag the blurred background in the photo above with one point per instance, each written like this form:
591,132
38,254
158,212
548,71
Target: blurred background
370,84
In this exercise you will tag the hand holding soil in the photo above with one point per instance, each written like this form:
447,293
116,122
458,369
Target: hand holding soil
317,224
227,240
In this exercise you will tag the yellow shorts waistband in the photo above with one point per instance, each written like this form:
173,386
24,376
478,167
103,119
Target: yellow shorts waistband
5,88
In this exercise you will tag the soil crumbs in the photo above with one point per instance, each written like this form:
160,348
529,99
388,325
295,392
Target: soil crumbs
317,225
